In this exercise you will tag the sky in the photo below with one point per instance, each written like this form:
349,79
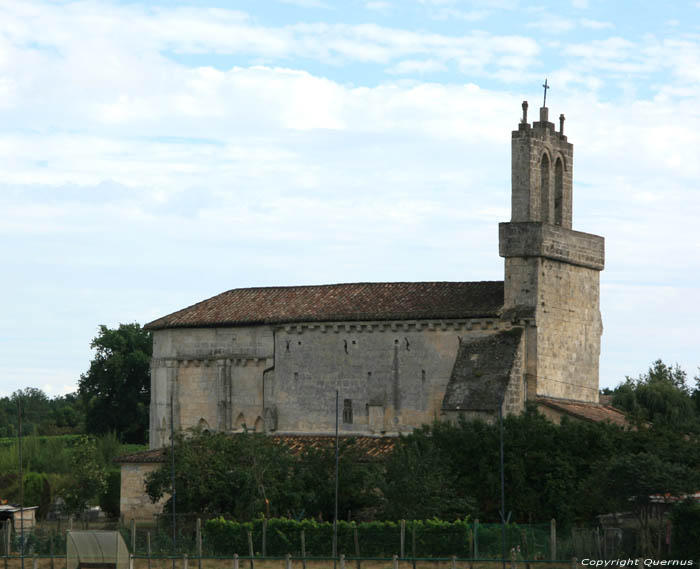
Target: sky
154,154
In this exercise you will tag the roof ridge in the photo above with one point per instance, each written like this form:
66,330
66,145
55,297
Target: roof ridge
399,300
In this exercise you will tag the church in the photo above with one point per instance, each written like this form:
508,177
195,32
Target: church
400,354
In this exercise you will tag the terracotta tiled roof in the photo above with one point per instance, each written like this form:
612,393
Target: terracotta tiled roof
371,448
341,302
592,412
153,455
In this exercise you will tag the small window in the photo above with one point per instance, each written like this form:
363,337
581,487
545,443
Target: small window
347,411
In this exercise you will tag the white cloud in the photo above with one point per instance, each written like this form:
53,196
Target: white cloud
413,66
595,24
378,6
551,23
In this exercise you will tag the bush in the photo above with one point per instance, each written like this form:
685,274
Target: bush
434,538
685,537
109,499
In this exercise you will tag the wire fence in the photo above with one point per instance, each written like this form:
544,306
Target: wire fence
294,562
267,539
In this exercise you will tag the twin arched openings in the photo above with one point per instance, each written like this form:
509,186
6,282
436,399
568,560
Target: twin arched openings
259,425
551,209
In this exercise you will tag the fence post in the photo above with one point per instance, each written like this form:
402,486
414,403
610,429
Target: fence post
133,536
8,537
413,543
264,537
148,548
403,539
342,561
131,561
51,551
303,549
553,539
574,562
394,561
476,538
184,561
250,549
35,562
454,562
356,538
288,561
235,561
199,543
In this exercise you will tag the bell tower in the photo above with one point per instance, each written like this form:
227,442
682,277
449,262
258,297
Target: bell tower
552,273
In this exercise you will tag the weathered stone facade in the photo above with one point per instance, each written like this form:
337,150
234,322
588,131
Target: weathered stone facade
134,503
399,354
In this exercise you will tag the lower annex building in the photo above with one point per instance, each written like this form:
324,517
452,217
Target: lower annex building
400,354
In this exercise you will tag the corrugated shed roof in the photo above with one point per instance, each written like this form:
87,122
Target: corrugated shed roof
370,448
340,302
593,412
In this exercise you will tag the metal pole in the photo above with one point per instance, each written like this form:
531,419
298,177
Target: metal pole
21,481
503,490
172,470
335,515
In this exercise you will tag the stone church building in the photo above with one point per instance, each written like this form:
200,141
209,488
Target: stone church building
400,354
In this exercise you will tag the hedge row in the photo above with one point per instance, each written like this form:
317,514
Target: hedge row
434,538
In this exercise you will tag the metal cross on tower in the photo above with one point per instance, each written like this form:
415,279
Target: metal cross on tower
544,103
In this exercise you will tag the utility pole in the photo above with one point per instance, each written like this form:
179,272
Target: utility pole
172,470
21,479
335,515
503,485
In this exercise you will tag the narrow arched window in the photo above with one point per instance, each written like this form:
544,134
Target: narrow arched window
544,190
558,191
259,425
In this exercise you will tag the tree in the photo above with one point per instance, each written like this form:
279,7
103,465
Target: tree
243,475
630,480
88,479
358,481
420,484
115,391
661,396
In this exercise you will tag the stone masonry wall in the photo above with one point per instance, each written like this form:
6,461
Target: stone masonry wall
214,376
391,376
569,328
134,503
529,144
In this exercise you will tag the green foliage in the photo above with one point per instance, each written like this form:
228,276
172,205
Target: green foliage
422,484
40,414
314,482
551,471
661,396
250,474
88,479
37,492
109,499
434,538
245,475
685,538
115,390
